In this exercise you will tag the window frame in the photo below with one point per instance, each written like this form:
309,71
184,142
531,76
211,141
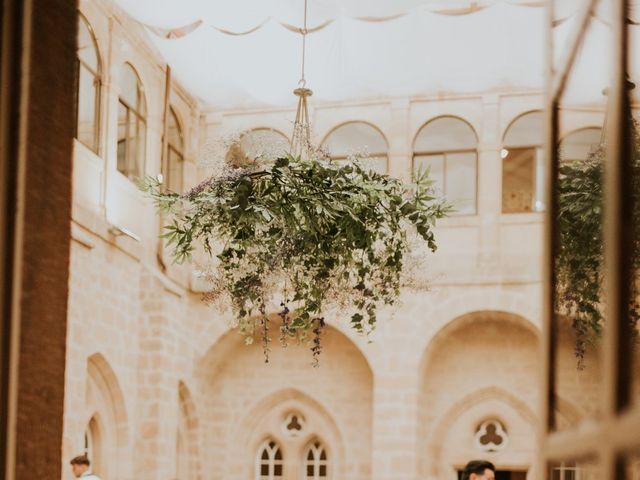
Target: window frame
177,151
317,461
97,81
538,149
139,117
272,461
445,154
342,158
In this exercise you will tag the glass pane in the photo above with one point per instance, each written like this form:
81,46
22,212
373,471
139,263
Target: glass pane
355,138
435,165
277,470
87,118
519,179
87,47
129,87
579,301
445,134
175,173
260,145
323,470
461,181
525,131
174,132
139,147
579,144
310,471
377,164
572,470
123,115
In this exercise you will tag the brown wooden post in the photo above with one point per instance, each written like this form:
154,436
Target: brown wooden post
37,118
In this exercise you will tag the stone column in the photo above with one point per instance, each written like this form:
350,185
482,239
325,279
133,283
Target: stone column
489,181
158,404
400,151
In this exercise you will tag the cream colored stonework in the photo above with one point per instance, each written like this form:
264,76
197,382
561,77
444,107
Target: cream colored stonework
174,393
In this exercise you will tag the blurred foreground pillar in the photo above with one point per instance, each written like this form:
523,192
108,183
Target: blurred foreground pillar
37,118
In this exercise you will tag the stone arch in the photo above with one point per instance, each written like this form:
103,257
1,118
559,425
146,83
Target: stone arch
465,404
215,343
188,432
348,122
460,321
105,402
248,431
439,117
515,119
463,374
232,376
434,315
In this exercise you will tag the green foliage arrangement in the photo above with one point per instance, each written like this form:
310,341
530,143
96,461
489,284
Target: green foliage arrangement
301,234
579,263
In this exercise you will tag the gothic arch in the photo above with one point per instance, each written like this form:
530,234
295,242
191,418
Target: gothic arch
188,431
253,431
105,402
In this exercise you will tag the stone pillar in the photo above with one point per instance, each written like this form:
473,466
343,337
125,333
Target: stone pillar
37,105
400,148
158,400
490,181
395,409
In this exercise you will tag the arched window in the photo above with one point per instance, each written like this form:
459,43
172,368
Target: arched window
132,124
89,74
174,169
260,145
523,165
447,146
577,145
315,462
93,445
355,138
269,463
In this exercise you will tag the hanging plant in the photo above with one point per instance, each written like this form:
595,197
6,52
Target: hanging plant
579,263
301,234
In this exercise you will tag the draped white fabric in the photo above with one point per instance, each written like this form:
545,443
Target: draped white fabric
432,47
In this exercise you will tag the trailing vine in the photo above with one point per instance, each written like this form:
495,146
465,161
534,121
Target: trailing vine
579,263
301,234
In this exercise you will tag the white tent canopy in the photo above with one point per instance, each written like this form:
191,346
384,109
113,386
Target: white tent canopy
246,53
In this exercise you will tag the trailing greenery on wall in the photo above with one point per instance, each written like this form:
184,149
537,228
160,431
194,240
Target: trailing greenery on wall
299,235
579,264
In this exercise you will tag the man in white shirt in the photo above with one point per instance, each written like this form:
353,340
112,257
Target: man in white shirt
80,466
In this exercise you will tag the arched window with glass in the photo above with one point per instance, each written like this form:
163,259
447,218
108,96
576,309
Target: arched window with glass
174,165
92,445
448,148
269,462
316,462
358,138
523,165
579,144
89,82
259,145
132,124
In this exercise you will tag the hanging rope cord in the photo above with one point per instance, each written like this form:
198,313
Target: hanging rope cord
301,137
304,32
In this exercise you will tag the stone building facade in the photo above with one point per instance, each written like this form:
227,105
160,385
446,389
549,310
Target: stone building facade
157,385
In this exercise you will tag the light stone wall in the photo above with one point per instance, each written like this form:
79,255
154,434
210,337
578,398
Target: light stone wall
176,394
